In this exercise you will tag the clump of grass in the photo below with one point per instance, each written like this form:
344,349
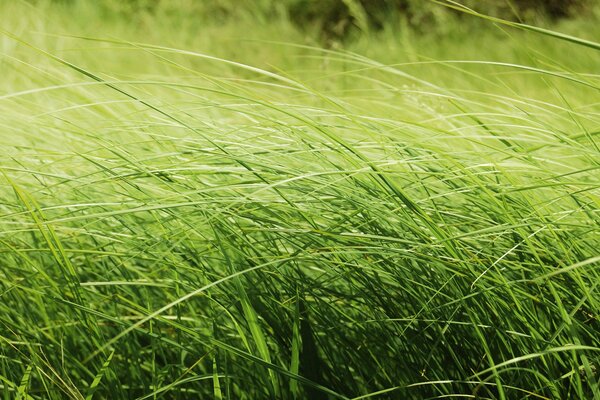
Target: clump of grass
176,224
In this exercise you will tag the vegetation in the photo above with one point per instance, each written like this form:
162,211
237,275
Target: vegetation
190,210
340,19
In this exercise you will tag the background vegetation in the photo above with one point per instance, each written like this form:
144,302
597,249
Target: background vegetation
339,18
242,201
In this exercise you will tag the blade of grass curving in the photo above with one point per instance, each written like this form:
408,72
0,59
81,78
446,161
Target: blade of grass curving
98,378
557,35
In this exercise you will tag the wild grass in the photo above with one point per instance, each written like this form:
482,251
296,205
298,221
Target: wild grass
255,219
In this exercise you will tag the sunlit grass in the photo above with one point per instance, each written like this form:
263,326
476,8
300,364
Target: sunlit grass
192,221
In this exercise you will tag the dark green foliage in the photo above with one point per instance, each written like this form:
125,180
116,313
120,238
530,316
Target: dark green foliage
338,18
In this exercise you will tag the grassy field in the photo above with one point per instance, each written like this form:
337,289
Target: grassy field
201,208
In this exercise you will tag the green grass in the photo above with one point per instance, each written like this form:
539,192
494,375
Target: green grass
203,212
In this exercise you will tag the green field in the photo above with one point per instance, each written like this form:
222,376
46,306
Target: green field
226,205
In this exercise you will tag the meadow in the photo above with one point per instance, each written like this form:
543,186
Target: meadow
233,208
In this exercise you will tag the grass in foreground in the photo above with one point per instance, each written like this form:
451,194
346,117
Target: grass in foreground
176,225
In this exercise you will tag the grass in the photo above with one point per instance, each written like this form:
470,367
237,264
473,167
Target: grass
198,215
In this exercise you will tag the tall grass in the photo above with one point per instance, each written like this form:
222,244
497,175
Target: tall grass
251,219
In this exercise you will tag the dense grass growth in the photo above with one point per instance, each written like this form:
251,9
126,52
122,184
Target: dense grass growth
187,210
